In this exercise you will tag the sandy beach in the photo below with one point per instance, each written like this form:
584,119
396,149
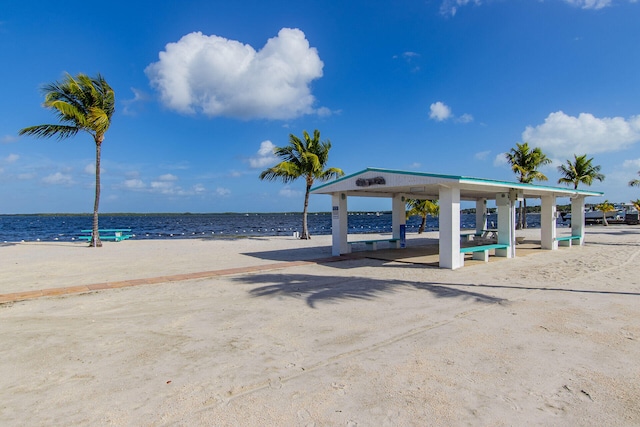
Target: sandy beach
241,332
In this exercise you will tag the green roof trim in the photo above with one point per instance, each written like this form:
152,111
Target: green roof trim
465,179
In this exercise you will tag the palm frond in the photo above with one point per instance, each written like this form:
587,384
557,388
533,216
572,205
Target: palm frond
283,171
48,131
80,103
525,162
306,156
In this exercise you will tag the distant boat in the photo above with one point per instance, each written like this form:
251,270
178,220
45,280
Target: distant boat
619,216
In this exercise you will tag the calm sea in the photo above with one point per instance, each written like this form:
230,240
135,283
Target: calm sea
16,228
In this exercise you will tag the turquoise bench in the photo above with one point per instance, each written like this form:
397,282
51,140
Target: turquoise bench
115,234
567,240
373,244
481,252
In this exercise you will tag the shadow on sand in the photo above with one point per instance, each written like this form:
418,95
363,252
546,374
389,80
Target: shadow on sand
314,289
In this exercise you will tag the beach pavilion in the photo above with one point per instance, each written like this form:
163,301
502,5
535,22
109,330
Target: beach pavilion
450,191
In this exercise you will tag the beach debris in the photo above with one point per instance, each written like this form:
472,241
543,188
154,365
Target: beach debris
586,394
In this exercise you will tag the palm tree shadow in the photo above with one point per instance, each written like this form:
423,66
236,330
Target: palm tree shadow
314,289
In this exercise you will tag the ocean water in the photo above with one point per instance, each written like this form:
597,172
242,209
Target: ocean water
16,228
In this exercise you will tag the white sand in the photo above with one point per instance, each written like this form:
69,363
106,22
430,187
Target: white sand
551,338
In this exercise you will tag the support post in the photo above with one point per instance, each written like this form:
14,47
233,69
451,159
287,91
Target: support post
399,219
449,236
548,223
339,227
577,217
506,224
481,215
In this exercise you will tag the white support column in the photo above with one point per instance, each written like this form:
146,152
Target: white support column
449,239
481,215
399,219
506,224
577,217
339,227
548,223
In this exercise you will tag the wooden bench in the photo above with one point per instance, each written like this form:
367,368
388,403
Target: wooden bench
481,252
567,240
373,244
115,234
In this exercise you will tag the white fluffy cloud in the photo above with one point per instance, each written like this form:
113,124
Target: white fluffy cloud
129,105
465,118
500,160
7,139
164,184
221,77
290,192
58,178
482,155
632,163
264,157
222,192
562,135
439,111
167,177
589,4
11,158
134,184
450,7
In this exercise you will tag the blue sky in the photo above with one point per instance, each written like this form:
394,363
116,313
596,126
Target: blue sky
205,89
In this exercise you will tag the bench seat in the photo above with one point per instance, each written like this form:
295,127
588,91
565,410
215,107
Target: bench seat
481,252
104,237
567,240
373,244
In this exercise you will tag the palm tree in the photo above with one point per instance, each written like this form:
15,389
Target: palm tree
635,182
422,208
580,171
303,158
525,162
81,103
636,204
605,207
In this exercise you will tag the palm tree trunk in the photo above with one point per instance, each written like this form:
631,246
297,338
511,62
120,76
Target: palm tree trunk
305,228
422,224
604,218
519,224
524,214
95,235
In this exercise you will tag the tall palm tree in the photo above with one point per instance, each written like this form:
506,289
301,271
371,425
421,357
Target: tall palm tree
422,208
579,171
605,207
81,103
306,158
525,162
635,182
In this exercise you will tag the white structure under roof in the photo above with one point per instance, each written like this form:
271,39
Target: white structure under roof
450,190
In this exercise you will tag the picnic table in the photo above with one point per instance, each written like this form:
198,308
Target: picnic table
115,234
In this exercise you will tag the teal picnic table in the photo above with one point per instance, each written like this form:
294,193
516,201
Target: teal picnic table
115,234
